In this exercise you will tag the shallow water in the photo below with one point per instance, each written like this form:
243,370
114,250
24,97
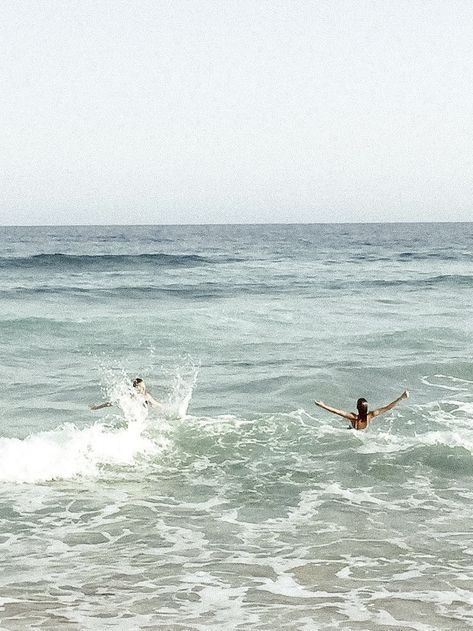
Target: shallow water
238,504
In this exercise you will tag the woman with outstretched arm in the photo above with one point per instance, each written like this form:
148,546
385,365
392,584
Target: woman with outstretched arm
363,418
140,390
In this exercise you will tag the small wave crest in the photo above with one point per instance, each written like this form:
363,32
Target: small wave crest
455,280
68,452
103,261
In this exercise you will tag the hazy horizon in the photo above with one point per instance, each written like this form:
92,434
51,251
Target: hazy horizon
274,223
158,113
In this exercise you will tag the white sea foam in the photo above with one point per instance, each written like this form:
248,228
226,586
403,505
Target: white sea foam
353,496
68,452
286,585
462,385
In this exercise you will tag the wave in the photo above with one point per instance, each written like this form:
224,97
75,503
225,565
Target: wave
202,290
455,280
104,261
403,257
68,452
104,449
215,290
443,256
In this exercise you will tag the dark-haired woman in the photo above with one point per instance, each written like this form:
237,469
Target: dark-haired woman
364,417
140,390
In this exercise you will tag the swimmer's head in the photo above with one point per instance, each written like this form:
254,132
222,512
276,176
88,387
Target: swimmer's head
362,407
139,385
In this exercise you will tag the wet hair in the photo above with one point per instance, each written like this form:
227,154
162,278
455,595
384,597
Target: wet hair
137,381
362,407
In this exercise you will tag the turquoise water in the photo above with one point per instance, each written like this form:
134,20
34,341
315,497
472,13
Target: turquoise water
237,504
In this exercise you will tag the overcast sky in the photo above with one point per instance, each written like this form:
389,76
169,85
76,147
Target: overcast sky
235,111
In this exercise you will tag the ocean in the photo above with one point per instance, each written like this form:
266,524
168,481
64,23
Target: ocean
237,504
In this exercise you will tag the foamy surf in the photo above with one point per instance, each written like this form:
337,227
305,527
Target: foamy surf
68,452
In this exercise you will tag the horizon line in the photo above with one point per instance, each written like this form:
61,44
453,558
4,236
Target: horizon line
274,223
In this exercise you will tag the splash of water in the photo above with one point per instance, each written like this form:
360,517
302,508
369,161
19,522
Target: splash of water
181,393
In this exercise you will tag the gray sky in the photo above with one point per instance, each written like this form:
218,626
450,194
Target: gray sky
236,111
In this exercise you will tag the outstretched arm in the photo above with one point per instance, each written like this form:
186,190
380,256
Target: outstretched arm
389,406
99,406
349,415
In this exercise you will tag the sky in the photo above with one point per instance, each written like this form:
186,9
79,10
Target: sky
186,111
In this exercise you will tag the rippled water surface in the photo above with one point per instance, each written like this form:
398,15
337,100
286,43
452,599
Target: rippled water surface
236,504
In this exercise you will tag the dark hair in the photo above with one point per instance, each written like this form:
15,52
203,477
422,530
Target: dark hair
137,381
362,407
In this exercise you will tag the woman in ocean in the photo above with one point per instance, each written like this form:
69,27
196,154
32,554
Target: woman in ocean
141,392
364,417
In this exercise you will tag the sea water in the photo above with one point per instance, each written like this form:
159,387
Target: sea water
236,504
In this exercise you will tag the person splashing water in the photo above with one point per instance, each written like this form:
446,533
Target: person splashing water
364,417
140,392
